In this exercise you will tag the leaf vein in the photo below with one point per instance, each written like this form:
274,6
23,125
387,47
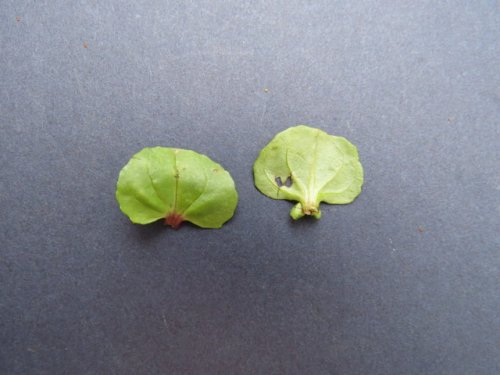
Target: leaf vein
199,195
155,188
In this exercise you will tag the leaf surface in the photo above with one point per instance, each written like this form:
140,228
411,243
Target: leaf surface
319,167
176,185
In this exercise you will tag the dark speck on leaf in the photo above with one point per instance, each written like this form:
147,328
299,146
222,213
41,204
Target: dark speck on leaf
280,183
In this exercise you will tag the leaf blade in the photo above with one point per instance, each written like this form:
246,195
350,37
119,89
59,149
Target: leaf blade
323,168
167,183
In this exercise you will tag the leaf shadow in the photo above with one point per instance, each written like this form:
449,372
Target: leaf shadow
303,222
150,231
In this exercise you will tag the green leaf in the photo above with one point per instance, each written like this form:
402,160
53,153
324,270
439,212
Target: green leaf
176,185
309,166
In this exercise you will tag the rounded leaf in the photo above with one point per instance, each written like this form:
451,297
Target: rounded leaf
309,166
176,185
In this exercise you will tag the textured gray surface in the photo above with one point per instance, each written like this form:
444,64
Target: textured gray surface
403,281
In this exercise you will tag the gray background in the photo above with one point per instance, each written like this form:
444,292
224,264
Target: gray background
403,281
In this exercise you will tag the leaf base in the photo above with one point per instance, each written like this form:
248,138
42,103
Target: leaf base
299,211
174,220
